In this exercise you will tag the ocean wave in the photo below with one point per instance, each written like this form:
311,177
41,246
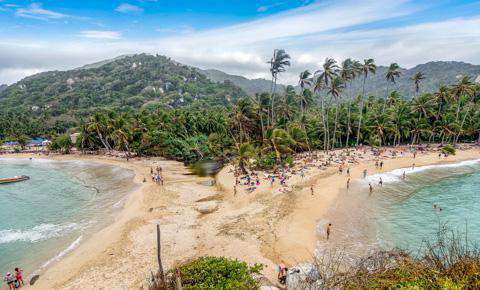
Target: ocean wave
396,174
37,233
67,250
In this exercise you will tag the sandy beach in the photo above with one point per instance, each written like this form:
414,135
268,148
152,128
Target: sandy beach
274,223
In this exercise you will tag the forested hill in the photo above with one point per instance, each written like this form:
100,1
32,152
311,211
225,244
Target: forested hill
125,82
436,74
251,86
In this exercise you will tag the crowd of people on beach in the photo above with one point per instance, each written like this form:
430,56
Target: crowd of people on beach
157,175
14,280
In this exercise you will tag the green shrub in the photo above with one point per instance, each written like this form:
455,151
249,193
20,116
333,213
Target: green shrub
448,149
266,161
61,143
216,273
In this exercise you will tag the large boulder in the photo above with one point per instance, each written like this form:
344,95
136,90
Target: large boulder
207,207
304,276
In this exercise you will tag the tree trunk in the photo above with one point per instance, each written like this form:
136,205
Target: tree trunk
461,126
273,98
334,139
261,124
361,111
348,125
385,99
324,127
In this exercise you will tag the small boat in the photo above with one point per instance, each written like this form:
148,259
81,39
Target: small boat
14,179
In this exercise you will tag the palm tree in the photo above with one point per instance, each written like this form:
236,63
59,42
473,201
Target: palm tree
281,142
348,72
278,64
464,87
329,71
304,81
244,153
393,72
319,85
417,78
367,67
335,90
97,124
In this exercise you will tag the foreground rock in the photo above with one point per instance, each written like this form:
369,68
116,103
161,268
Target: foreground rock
207,207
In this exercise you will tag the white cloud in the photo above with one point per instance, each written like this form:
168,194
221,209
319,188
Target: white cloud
100,34
35,11
128,8
309,34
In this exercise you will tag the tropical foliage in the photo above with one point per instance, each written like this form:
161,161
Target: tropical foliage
216,273
265,129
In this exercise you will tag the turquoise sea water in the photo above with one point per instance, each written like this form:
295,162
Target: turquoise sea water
49,215
402,214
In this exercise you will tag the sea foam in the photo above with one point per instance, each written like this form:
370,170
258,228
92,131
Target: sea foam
67,250
37,233
396,174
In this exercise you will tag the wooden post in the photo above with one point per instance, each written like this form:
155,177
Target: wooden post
159,257
178,279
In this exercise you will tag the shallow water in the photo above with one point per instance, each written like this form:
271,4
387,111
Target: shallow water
402,214
49,215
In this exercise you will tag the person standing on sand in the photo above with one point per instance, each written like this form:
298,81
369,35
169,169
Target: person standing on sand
10,279
370,188
19,277
348,183
329,225
381,164
348,171
364,173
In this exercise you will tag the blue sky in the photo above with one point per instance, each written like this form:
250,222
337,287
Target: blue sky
234,36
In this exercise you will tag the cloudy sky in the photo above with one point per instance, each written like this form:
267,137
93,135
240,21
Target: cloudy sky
235,36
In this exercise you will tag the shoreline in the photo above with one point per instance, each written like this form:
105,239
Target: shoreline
266,226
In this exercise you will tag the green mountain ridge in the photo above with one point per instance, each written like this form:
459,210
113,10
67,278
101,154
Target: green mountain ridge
250,86
123,83
437,73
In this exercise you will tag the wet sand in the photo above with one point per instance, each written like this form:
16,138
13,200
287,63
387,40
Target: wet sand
266,226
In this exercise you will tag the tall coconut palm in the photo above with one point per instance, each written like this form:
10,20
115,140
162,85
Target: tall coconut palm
319,85
329,71
367,67
464,87
97,124
392,74
335,90
417,78
348,72
304,81
278,64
